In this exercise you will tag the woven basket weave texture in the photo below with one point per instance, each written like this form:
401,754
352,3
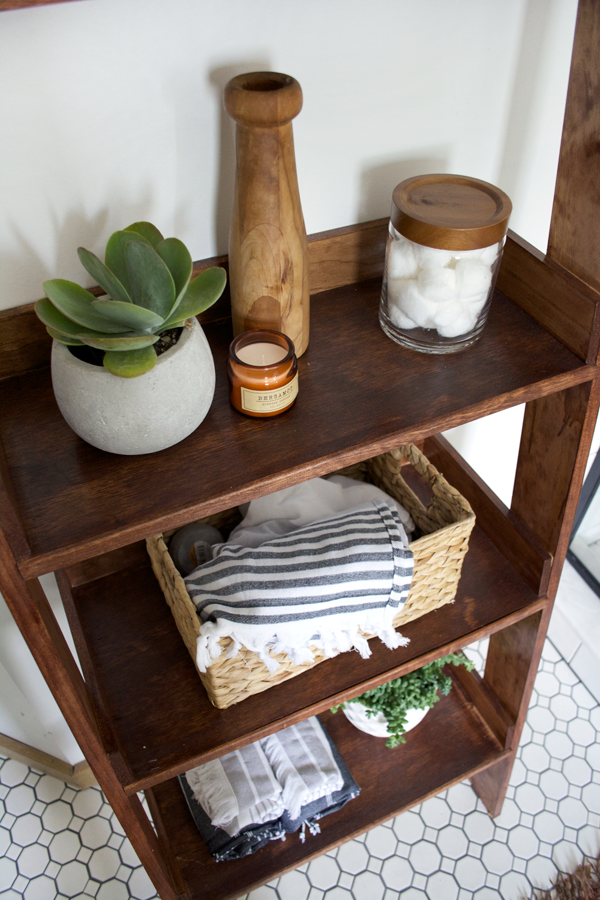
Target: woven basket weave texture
445,525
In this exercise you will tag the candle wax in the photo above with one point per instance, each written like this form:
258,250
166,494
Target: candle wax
262,353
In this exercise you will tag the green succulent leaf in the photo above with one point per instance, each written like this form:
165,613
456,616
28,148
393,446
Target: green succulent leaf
54,319
77,304
202,292
104,277
151,284
129,316
148,231
119,342
132,363
114,256
177,258
63,338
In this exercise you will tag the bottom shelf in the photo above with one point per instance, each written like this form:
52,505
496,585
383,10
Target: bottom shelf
450,744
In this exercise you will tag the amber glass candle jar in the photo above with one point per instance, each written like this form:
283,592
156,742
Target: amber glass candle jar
263,373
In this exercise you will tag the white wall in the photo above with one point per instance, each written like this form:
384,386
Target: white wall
111,112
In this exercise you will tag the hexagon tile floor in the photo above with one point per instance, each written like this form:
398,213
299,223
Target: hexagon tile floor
58,843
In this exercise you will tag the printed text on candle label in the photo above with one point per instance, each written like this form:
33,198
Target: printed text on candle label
270,401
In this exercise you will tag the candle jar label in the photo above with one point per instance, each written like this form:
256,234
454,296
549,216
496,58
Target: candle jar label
270,401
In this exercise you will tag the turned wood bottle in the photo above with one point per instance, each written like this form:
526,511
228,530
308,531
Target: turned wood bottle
268,261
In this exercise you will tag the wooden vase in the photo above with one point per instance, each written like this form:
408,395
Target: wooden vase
268,260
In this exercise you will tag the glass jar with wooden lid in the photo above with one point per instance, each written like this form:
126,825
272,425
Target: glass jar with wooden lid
446,236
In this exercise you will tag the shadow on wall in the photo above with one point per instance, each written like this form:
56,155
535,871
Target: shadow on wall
23,273
378,182
225,182
520,119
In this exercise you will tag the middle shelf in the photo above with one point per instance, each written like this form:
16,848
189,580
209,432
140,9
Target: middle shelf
162,719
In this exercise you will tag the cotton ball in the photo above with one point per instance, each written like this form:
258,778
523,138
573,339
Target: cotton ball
432,256
437,285
395,287
461,325
401,262
477,302
446,314
414,305
472,278
399,319
489,255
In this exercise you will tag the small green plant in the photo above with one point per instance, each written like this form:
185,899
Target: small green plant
417,690
149,288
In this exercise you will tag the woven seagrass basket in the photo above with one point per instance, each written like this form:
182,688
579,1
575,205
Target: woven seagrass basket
445,525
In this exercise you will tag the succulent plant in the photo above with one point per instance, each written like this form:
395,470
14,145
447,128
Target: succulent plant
149,287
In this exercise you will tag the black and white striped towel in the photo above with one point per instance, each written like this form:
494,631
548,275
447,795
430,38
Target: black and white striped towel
320,585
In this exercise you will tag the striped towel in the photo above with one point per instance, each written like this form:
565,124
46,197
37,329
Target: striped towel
303,764
238,790
321,585
313,775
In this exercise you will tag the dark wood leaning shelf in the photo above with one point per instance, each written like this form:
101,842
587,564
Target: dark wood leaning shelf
84,512
140,713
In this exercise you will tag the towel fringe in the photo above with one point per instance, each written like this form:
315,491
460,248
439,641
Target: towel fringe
297,647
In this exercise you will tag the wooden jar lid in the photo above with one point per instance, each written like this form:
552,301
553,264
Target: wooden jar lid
451,212
263,99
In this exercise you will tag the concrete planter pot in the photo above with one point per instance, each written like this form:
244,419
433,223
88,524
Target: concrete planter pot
377,726
137,415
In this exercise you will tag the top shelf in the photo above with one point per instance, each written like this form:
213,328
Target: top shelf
360,395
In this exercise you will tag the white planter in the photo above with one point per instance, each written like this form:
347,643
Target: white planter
377,726
137,415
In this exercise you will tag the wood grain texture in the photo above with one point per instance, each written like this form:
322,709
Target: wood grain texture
574,240
360,394
390,781
12,525
268,263
146,656
567,307
347,255
548,456
454,212
25,344
487,704
514,540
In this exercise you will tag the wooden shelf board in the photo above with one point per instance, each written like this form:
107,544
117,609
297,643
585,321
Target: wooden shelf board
360,394
137,653
390,781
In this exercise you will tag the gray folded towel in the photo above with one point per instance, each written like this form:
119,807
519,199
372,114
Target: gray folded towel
303,764
237,790
223,847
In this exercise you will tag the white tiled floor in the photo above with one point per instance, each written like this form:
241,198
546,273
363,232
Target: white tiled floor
57,843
